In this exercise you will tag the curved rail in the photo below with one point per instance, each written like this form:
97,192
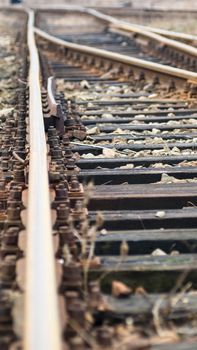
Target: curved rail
168,33
145,32
156,67
42,329
164,32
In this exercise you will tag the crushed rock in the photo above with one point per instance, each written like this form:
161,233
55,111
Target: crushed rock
93,131
158,252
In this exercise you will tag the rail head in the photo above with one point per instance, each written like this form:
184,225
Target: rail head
190,38
146,32
116,57
51,98
42,330
107,18
162,35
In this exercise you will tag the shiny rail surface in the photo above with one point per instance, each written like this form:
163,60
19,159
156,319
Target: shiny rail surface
164,32
41,311
156,67
144,31
129,198
170,33
167,37
111,210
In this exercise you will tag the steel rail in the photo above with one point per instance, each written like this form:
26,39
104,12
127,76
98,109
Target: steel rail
111,19
139,63
169,33
163,32
53,105
146,33
42,330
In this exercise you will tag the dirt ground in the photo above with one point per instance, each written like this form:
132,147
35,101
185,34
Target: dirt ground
162,4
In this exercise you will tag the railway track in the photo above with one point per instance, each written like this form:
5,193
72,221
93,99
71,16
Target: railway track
119,36
13,74
109,190
176,24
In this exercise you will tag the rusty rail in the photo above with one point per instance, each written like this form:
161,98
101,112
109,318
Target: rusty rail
42,329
